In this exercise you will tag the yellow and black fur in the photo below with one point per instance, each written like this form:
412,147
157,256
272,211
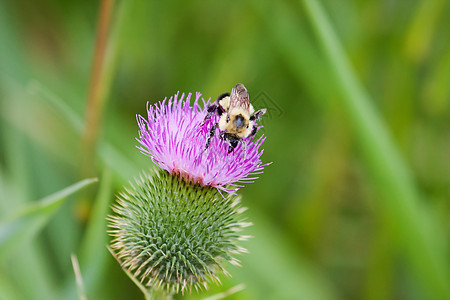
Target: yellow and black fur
237,117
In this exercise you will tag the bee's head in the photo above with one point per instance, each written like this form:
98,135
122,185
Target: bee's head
238,119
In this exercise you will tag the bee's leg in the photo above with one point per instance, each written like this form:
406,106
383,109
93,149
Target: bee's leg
220,110
230,148
257,115
215,108
224,137
233,142
211,134
210,111
244,147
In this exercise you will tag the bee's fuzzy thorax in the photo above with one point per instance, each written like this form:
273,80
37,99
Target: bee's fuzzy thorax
226,122
225,102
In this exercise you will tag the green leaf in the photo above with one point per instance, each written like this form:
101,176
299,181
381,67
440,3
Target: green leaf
34,216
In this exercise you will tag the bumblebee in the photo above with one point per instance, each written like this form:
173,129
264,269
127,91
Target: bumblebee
237,118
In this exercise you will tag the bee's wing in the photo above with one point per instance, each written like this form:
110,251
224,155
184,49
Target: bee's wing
239,97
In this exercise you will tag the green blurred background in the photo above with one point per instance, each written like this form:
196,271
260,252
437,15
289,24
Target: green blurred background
356,203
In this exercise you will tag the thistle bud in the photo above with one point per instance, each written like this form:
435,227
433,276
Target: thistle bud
173,235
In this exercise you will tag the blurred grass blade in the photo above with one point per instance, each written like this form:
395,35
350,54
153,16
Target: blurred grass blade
34,216
95,101
95,238
418,237
78,277
93,254
225,294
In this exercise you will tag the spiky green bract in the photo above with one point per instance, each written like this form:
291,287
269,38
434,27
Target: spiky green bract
173,235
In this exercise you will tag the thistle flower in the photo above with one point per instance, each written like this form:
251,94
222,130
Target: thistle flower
174,137
173,235
174,229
